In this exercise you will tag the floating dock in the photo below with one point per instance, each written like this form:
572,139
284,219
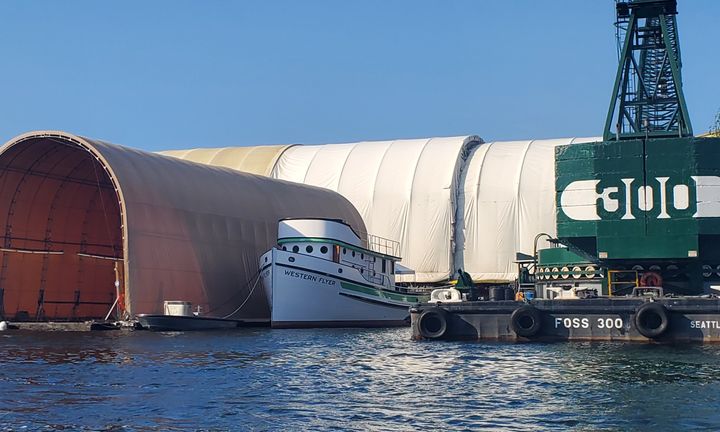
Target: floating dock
72,326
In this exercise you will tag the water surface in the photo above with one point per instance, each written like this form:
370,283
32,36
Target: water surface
349,379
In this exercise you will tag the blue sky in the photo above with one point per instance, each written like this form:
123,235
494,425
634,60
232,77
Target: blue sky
177,74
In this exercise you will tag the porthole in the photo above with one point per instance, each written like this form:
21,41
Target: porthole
362,256
344,251
284,248
353,254
339,270
323,249
309,249
291,259
296,249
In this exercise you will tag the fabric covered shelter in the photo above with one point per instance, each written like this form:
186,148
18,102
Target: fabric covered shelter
82,216
451,202
507,198
254,160
405,190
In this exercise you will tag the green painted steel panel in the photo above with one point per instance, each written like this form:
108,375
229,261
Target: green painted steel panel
640,200
559,256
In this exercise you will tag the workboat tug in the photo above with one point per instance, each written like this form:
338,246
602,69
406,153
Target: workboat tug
321,274
637,251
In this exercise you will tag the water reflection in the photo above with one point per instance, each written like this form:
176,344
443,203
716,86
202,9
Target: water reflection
349,380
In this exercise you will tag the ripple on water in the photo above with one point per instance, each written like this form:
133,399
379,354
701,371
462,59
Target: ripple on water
262,379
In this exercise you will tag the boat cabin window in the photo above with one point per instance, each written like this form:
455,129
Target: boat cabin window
392,267
362,256
323,250
344,251
284,248
383,266
296,249
353,254
309,249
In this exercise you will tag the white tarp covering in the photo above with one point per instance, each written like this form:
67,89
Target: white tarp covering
405,190
507,197
450,202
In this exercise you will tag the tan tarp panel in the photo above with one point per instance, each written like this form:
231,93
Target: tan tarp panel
255,160
73,207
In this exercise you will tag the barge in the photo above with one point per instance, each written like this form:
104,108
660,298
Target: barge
627,319
636,255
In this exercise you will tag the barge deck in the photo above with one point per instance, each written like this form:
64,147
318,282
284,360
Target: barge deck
668,319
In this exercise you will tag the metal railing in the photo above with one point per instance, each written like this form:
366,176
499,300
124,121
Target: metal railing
383,245
621,280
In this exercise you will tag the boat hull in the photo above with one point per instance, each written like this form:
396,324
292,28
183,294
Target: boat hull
603,319
304,291
186,323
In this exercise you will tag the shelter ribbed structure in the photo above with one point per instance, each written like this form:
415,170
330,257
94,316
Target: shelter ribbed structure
452,202
80,214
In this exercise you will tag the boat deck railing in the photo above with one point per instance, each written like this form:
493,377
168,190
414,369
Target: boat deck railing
383,245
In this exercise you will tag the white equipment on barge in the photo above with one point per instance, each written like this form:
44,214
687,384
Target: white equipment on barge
321,275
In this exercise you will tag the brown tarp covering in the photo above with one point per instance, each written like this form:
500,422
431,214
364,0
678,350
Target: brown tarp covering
79,214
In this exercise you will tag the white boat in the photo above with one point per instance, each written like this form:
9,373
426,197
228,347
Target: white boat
321,275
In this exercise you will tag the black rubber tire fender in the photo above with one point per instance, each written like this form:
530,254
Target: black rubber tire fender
433,323
645,312
523,316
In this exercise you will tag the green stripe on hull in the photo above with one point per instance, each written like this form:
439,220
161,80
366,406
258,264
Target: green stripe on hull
406,298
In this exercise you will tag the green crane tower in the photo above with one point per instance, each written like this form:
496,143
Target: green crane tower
647,198
648,99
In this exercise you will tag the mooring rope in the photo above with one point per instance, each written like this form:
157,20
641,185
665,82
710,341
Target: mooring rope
247,298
